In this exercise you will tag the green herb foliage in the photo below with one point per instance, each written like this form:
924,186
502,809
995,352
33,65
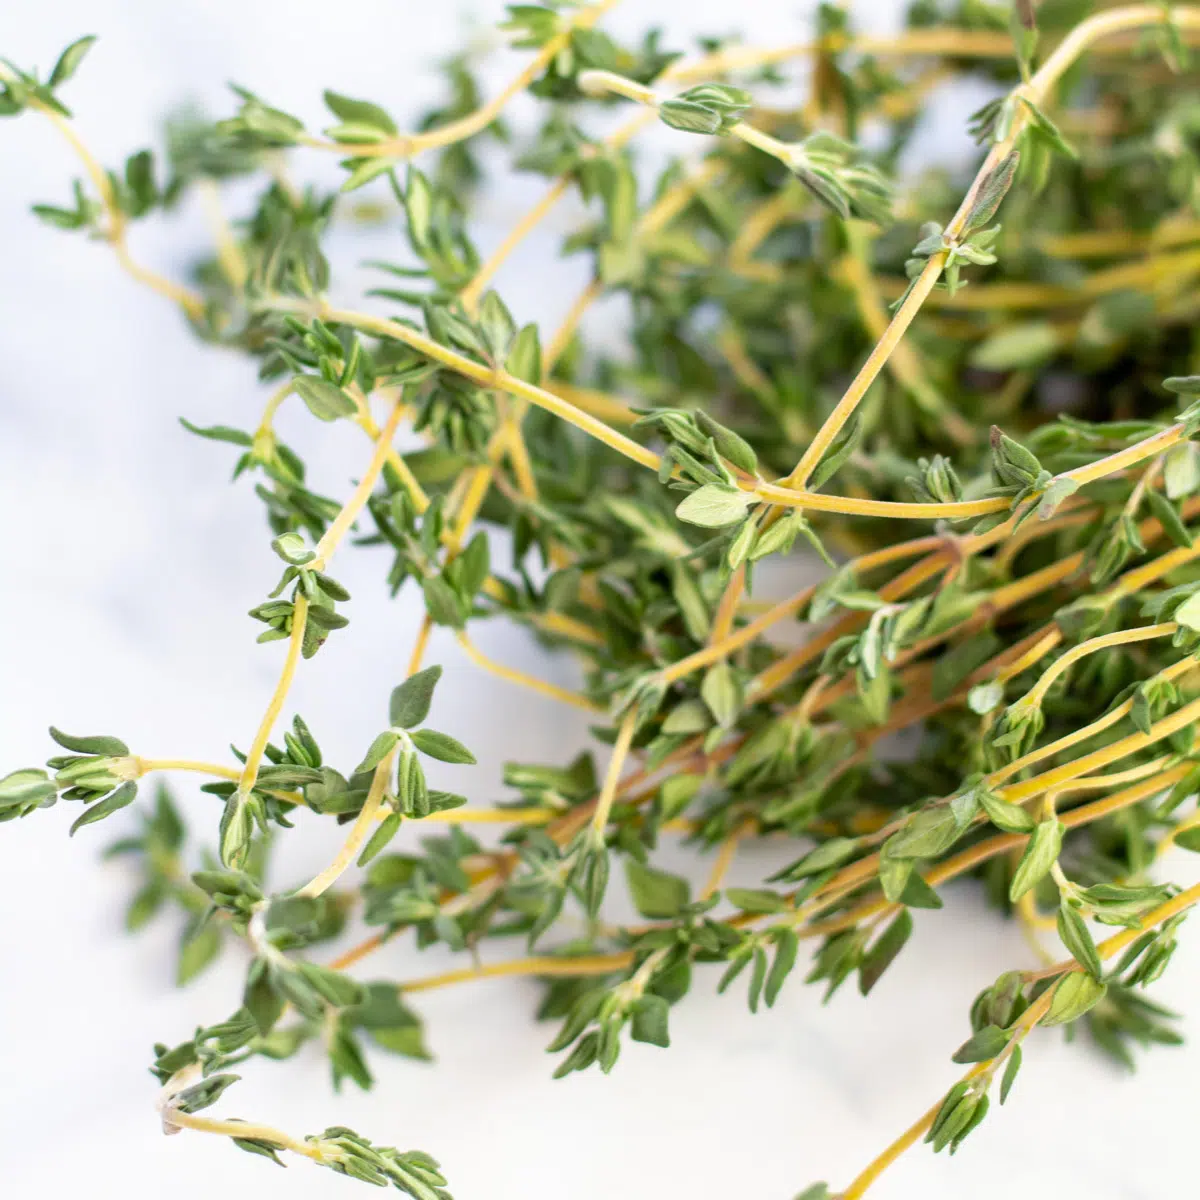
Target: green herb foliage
974,393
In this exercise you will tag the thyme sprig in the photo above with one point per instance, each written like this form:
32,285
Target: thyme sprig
1037,633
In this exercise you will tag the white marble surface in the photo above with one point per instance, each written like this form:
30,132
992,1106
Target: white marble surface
128,568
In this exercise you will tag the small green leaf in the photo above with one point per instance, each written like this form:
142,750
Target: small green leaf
111,746
326,401
983,1046
714,506
1189,839
336,989
1041,853
831,853
1058,490
411,700
441,746
1078,940
406,1040
758,976
443,603
883,952
895,875
291,548
28,787
839,451
1183,385
235,830
418,207
756,900
925,834
114,802
992,190
146,902
650,1015
1181,470
748,536
787,945
1010,1073
524,359
918,893
359,112
1168,518
219,433
722,693
1075,994
1141,714
1043,127
261,1147
378,750
1013,463
593,874
1188,613
200,1095
444,801
688,117
656,894
377,842
497,326
69,60
1012,818
200,947
730,445
692,716
260,997
346,1059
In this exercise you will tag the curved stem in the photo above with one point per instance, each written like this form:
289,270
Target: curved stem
600,404
547,965
241,1129
277,397
558,344
908,1138
325,548
191,303
1068,776
408,144
147,765
905,363
724,860
897,327
1179,267
1015,793
254,756
956,510
485,376
612,777
1121,637
344,521
575,699
359,831
1038,1009
1079,39
229,254
473,292
1091,730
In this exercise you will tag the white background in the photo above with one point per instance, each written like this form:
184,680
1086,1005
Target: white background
128,567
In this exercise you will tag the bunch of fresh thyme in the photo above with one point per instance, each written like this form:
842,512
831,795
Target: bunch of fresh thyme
970,396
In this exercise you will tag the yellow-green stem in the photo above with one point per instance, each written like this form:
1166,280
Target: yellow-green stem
612,776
